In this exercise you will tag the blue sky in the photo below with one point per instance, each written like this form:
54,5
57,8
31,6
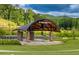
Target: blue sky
71,10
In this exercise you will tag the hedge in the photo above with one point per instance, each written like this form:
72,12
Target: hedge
9,42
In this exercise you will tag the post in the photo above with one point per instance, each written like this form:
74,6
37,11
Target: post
30,36
42,26
20,35
41,32
50,36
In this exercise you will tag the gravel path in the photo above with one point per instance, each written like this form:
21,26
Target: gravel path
42,42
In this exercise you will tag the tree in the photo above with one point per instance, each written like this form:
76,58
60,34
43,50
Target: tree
66,23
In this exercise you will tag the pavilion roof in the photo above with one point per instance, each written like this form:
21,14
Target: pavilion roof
40,25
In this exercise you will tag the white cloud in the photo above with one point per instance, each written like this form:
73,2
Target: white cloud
56,13
74,6
38,12
24,6
21,5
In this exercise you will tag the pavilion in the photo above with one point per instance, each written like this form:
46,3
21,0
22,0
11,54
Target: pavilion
37,25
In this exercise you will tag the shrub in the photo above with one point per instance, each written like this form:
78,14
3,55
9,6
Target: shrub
6,27
67,33
9,42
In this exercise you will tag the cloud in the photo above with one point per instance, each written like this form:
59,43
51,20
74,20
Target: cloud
71,10
24,6
37,12
74,6
57,13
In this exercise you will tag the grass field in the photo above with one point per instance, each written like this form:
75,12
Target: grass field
69,47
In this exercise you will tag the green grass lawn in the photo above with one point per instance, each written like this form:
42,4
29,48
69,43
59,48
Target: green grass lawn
69,47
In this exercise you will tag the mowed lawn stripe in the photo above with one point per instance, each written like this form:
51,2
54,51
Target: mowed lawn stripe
41,51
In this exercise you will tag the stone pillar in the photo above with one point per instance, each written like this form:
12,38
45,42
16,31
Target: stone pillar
42,33
20,35
30,36
50,36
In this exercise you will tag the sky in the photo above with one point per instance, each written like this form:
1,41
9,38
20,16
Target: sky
71,10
